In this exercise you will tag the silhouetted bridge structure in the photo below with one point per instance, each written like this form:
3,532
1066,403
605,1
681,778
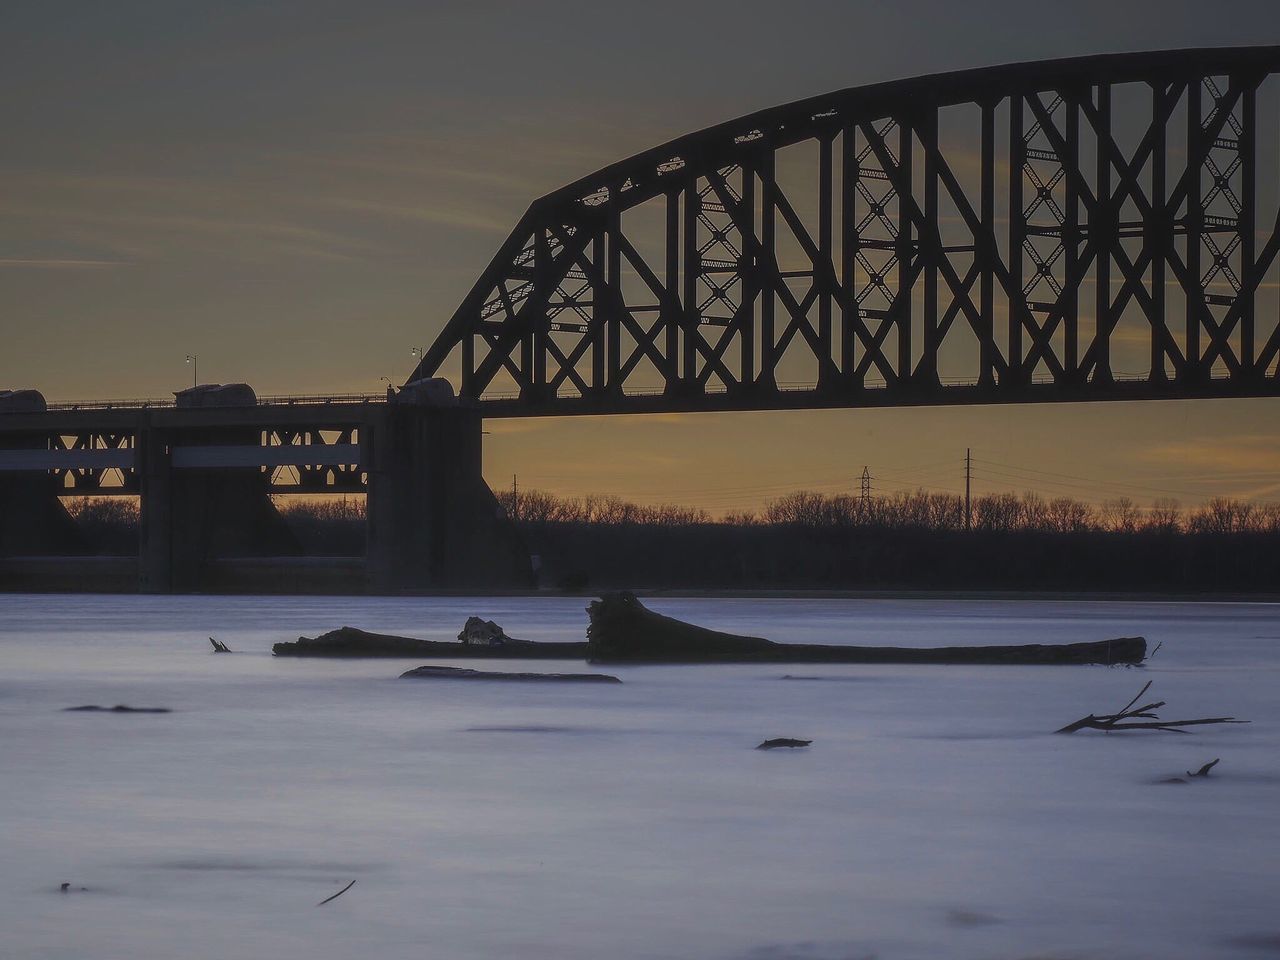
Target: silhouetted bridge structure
1093,229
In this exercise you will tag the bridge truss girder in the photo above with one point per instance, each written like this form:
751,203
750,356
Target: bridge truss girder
990,235
94,462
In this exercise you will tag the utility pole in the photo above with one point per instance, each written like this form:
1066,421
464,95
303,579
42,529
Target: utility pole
866,487
968,474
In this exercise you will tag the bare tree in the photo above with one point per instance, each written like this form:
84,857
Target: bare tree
1070,516
997,512
1165,516
1120,515
1222,515
1033,512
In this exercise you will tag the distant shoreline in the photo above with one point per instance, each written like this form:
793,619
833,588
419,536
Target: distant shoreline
343,577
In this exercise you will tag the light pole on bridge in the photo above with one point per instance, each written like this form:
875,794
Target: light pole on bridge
194,360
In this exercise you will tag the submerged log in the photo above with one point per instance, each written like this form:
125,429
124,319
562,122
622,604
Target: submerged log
430,672
777,742
350,642
118,708
625,630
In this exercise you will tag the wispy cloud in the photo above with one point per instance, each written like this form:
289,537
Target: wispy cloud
442,215
161,219
54,263
1256,453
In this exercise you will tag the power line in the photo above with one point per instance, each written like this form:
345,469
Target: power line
1100,486
1092,480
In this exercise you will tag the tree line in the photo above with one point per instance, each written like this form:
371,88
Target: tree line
917,510
322,519
807,540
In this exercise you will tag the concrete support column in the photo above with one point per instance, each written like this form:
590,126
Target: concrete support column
33,521
192,515
405,495
155,514
432,520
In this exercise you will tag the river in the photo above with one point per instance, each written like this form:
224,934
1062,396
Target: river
935,815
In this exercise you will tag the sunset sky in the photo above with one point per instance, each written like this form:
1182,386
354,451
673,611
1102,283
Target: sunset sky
300,193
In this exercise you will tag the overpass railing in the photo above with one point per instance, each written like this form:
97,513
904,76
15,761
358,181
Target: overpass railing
288,400
303,399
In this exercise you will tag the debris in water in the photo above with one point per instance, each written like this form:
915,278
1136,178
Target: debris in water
430,672
1113,721
350,642
118,708
624,630
337,895
483,633
783,742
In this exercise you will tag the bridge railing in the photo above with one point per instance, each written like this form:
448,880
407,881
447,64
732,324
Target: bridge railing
134,404
303,399
265,400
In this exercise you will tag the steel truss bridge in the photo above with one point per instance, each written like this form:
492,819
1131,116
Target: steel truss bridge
304,445
1084,229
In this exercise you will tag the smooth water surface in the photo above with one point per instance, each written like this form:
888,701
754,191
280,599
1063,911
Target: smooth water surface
935,815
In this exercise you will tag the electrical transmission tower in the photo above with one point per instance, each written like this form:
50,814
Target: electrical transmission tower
866,488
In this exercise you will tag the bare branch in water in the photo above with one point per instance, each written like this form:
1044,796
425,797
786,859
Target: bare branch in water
1115,721
337,895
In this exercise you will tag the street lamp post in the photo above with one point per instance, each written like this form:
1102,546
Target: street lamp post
195,368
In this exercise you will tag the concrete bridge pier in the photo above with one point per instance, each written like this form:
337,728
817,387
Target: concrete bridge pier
196,504
33,521
432,519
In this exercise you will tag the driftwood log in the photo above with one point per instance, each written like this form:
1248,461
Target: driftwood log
625,630
1144,717
350,642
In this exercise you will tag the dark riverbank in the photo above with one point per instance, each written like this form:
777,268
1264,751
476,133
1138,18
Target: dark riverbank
344,576
803,545
723,559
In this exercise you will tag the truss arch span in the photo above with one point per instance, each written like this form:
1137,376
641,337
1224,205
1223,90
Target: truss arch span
1094,228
